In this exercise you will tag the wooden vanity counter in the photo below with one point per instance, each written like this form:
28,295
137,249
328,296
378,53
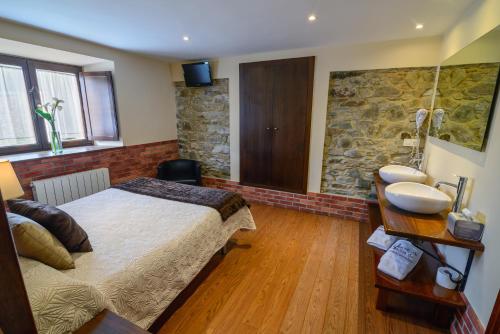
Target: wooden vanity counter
439,303
417,226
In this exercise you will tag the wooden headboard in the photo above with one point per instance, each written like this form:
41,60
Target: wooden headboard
15,310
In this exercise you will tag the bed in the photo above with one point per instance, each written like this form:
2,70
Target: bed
146,251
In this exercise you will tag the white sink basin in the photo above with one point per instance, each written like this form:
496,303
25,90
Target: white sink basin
397,173
416,197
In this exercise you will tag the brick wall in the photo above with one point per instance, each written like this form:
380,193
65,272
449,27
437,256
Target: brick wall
124,163
466,321
324,204
127,162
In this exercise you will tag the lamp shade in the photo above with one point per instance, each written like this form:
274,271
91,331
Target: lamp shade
9,184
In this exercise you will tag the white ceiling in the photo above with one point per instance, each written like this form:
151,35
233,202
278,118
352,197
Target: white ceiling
233,27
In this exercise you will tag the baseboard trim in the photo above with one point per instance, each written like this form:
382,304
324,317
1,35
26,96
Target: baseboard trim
323,204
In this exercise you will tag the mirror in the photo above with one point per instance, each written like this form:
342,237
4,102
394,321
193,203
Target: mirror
466,92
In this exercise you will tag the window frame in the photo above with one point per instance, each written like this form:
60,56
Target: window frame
38,146
114,116
33,65
29,67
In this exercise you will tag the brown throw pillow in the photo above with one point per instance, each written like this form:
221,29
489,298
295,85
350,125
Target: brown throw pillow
35,242
58,222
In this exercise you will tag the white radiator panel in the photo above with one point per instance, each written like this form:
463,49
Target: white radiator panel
67,188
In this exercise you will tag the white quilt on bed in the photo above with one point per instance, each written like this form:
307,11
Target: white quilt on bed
146,249
60,304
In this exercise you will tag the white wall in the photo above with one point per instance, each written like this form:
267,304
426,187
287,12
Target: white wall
445,159
405,53
144,90
484,50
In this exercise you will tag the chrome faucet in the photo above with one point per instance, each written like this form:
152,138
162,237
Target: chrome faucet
462,183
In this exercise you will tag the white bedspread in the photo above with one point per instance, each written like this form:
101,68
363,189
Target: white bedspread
60,304
146,249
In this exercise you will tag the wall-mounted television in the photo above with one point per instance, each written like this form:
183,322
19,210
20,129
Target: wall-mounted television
197,74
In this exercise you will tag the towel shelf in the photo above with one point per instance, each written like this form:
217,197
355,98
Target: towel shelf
432,228
418,293
420,281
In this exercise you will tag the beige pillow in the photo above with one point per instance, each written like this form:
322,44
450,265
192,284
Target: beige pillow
36,242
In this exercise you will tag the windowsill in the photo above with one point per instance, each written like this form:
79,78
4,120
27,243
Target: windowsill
67,151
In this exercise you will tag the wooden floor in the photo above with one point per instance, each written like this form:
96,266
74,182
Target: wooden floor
298,273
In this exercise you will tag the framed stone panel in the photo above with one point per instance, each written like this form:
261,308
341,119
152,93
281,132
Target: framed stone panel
370,113
203,126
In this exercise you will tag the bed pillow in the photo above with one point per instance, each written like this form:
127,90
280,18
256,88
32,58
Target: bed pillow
34,241
58,222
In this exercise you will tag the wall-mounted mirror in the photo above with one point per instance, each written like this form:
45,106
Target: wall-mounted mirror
466,92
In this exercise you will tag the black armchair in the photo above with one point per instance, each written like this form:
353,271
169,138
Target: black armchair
181,171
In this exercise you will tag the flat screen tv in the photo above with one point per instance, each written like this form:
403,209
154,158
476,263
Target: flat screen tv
197,74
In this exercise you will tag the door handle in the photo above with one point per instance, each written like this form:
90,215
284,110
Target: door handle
268,128
276,129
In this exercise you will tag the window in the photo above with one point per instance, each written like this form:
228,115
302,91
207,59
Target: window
64,86
16,128
24,83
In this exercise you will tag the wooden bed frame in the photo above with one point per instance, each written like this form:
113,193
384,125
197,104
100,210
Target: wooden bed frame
15,311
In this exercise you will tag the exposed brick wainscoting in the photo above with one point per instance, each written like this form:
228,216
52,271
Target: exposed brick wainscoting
124,163
466,322
325,204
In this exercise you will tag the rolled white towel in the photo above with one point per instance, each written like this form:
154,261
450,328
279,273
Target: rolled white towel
400,259
380,239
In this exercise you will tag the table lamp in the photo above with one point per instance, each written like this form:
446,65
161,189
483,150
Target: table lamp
9,184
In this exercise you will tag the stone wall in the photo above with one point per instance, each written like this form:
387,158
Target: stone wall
203,126
465,93
369,114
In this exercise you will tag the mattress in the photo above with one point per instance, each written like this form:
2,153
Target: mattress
146,249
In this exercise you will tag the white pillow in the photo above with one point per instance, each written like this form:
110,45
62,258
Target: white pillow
60,304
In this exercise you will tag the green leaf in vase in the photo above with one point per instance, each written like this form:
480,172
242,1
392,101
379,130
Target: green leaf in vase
42,113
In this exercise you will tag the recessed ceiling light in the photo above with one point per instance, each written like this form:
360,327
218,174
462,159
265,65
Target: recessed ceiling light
312,18
185,38
419,26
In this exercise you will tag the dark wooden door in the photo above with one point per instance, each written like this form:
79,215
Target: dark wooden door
275,117
291,123
256,93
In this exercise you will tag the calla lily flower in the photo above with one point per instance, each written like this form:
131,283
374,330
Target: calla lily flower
48,111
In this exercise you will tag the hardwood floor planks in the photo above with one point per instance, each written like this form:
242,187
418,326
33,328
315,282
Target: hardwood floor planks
316,311
296,312
353,295
298,273
343,298
283,284
253,287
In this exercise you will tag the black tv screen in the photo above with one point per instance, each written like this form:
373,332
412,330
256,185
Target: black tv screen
197,74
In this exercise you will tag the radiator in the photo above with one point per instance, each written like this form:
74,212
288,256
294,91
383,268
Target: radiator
67,188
